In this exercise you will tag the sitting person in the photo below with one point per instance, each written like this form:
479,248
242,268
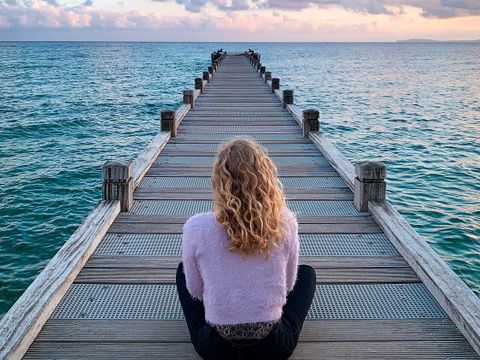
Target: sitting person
241,289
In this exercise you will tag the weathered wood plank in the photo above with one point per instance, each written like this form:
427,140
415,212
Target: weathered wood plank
181,112
124,275
457,349
323,262
161,331
338,161
22,323
289,191
146,158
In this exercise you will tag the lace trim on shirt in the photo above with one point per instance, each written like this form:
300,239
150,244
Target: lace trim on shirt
247,331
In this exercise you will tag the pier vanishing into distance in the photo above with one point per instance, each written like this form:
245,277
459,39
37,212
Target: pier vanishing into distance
109,292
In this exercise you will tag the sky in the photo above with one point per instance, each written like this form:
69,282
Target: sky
239,20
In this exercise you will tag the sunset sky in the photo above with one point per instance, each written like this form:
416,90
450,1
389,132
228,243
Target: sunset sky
239,20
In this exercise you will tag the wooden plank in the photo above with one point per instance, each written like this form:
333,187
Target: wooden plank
296,114
289,191
128,275
22,323
457,349
147,157
338,161
181,113
333,228
160,331
323,262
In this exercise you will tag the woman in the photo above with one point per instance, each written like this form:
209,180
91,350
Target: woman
241,290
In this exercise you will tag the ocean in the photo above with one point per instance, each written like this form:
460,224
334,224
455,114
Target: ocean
67,107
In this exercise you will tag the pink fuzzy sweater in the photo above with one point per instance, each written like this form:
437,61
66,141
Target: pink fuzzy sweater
235,290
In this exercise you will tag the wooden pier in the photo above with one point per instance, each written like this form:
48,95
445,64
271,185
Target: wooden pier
109,293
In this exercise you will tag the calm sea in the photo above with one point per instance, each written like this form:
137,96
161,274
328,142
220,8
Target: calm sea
65,108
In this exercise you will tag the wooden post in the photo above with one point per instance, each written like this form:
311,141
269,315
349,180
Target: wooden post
262,70
118,184
369,183
268,76
168,122
310,121
188,98
206,75
210,69
259,65
287,98
275,84
199,84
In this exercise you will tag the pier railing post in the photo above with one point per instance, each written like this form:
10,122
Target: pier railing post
287,98
259,65
199,84
369,184
118,184
168,122
210,70
268,76
206,76
310,121
262,70
275,84
188,98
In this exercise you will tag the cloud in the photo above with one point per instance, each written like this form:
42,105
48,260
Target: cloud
430,8
47,14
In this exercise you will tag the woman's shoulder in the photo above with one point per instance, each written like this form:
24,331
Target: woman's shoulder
200,220
289,215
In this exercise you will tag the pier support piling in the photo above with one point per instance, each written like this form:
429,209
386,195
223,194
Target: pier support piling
268,76
310,121
287,98
118,184
275,84
369,183
188,98
168,122
199,84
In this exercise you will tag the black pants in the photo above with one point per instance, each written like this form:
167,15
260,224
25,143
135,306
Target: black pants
279,344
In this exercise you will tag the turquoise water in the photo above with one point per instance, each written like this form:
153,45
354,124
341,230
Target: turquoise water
65,108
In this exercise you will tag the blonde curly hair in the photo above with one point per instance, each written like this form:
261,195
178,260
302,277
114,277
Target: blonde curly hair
248,197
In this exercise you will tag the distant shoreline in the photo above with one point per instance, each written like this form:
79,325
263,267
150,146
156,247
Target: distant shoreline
436,41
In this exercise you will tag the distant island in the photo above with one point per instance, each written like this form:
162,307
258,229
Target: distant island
435,41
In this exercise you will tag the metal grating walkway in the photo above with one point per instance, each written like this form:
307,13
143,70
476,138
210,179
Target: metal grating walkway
160,302
205,183
310,245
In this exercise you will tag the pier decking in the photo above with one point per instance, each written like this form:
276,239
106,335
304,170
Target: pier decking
373,299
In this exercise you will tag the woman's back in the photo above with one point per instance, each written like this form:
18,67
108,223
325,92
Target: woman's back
240,286
236,289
